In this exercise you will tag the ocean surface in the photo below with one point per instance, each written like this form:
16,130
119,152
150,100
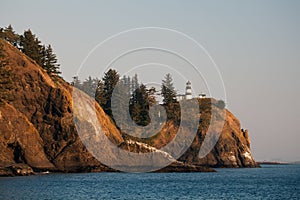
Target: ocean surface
268,182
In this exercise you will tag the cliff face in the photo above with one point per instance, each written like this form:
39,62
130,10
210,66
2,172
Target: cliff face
231,150
37,128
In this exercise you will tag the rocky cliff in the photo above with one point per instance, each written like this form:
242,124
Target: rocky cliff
37,129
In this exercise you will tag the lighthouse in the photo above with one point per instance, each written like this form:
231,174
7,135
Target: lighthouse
188,90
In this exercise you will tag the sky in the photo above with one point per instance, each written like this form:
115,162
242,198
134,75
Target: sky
255,45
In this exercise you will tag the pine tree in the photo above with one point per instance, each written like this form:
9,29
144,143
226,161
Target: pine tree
110,80
42,56
99,94
50,61
143,104
120,103
151,96
167,90
9,35
89,86
32,47
142,99
127,92
169,99
134,83
133,87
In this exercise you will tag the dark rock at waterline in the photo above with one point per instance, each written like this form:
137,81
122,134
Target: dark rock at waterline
16,170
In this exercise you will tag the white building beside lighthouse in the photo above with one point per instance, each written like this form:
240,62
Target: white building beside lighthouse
188,92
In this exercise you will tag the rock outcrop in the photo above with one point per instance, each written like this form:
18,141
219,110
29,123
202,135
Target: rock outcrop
37,129
231,150
19,169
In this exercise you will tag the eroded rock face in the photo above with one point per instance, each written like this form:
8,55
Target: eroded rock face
37,129
231,150
20,141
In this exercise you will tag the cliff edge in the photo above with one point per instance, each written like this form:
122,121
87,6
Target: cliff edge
37,129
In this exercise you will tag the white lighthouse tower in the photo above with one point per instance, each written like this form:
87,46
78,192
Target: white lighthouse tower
188,91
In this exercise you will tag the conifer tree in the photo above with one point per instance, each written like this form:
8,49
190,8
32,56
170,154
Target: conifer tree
169,99
32,47
134,83
120,102
110,80
141,101
99,94
167,90
9,35
89,86
50,61
142,117
42,56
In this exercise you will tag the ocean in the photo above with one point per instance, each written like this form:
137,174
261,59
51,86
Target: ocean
268,182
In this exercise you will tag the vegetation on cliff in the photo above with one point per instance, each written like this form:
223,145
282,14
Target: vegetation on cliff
30,45
37,123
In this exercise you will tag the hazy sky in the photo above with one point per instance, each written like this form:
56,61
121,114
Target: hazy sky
256,45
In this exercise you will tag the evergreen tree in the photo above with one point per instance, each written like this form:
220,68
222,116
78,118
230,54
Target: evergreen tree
143,104
99,94
142,99
32,47
151,96
134,83
120,103
126,81
50,60
169,99
110,80
133,87
168,91
9,35
89,86
127,93
43,56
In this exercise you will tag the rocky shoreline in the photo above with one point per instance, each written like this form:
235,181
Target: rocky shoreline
16,170
25,170
38,132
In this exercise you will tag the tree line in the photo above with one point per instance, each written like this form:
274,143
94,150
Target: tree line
30,45
141,97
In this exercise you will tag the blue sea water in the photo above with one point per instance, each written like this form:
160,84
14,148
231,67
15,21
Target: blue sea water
268,182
